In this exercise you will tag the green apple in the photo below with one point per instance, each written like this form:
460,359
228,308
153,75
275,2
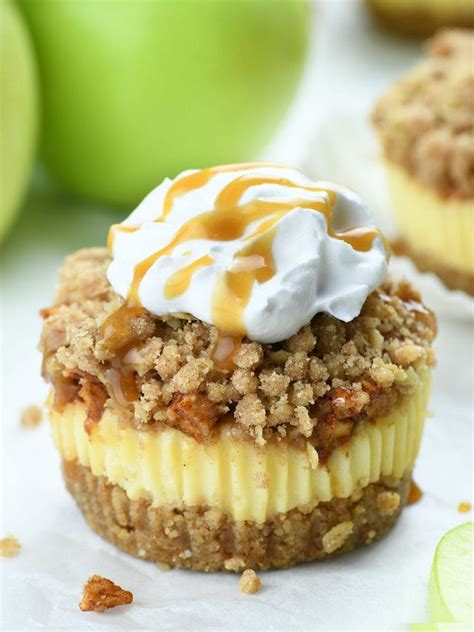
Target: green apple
18,112
451,582
136,90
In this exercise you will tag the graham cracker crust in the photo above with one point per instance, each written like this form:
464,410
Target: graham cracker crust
207,539
453,279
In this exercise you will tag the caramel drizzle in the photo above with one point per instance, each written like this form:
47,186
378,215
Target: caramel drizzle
198,179
118,333
179,282
227,221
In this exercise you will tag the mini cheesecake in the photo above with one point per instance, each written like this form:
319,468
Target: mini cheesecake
207,451
422,17
425,124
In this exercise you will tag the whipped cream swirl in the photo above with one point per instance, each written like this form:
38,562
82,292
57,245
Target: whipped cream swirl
255,249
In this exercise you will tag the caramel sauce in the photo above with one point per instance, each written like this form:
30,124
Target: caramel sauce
179,282
120,337
220,224
232,193
117,330
198,179
122,382
121,228
415,494
233,289
229,220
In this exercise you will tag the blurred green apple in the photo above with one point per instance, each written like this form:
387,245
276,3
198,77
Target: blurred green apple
18,112
136,90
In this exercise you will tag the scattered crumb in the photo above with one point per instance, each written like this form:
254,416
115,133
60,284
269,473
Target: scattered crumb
9,546
249,582
415,494
234,564
464,507
31,416
388,503
163,567
100,594
335,537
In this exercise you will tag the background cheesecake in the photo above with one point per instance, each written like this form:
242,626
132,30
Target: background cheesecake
425,124
422,17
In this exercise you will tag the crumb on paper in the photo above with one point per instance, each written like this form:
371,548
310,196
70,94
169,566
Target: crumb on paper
163,567
464,507
9,546
249,582
31,416
100,594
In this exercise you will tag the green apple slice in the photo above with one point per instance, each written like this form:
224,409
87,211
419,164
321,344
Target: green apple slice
451,582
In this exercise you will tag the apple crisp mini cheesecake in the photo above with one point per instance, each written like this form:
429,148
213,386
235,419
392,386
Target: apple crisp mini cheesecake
235,384
426,127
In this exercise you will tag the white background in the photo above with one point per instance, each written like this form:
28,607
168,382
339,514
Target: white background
381,587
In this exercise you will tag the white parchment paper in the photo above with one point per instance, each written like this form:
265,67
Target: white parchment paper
382,587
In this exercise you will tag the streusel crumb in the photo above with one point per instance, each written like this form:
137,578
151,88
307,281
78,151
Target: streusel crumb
234,564
9,546
31,416
101,594
426,121
388,502
315,387
249,582
336,536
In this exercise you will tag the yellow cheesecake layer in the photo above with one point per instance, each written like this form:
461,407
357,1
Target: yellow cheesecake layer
246,481
439,227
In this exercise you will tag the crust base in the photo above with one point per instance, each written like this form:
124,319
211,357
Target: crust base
453,279
207,539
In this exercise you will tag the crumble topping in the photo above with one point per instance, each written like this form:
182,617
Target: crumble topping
249,582
426,120
31,416
314,387
9,546
101,594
